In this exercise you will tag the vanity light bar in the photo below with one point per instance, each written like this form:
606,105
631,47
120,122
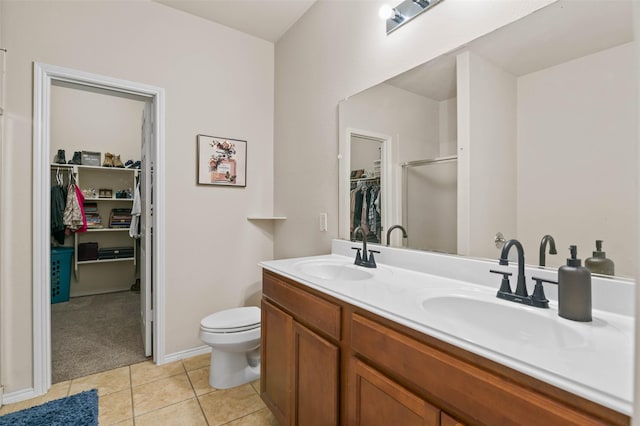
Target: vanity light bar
406,11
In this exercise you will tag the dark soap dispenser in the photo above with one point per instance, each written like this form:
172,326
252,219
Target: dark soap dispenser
599,264
574,289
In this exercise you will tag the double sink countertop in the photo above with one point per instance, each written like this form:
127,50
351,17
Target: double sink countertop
453,298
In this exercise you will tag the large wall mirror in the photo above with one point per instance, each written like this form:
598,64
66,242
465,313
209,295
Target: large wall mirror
527,131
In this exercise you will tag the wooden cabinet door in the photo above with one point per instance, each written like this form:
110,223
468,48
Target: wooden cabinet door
316,376
376,400
447,420
275,365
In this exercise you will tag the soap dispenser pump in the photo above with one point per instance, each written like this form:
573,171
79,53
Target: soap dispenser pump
574,289
599,264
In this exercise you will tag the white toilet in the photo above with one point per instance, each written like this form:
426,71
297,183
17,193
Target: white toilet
234,336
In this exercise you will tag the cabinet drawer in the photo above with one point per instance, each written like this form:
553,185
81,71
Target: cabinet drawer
484,397
378,401
309,309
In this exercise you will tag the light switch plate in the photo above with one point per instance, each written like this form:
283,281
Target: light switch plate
323,222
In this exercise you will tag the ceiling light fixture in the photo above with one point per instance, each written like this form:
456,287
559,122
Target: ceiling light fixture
422,3
404,12
385,12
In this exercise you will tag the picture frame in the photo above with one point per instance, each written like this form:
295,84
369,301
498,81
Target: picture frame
222,161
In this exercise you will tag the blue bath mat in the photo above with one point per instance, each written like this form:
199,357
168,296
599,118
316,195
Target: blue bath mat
75,410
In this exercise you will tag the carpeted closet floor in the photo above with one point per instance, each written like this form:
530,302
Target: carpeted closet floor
91,334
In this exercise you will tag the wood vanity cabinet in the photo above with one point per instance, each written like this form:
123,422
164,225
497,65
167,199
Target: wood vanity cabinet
300,355
326,362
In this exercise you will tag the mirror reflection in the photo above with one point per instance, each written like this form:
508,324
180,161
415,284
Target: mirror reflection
527,131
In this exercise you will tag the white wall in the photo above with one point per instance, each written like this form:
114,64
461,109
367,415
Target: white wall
217,81
448,127
89,121
316,68
486,155
580,116
432,207
363,153
635,418
411,120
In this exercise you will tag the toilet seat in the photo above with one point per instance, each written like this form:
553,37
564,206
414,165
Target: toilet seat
232,320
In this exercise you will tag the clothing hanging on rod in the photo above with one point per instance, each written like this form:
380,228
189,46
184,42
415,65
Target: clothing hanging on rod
58,203
74,217
134,228
365,208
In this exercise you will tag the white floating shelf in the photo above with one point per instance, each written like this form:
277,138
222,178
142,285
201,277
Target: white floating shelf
266,217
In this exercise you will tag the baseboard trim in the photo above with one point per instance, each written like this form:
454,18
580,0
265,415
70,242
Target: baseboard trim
18,396
176,356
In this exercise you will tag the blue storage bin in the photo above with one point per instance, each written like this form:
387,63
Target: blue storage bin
60,273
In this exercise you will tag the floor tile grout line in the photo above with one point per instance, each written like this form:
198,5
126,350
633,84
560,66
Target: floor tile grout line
166,406
243,416
204,415
133,413
68,388
156,380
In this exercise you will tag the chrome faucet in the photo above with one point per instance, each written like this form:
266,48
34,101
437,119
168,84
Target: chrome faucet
543,248
404,232
366,260
538,298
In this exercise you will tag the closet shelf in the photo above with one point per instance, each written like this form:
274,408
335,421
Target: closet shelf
106,169
107,229
108,199
102,177
365,179
122,259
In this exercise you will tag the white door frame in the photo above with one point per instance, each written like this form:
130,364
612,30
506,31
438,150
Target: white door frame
390,206
44,76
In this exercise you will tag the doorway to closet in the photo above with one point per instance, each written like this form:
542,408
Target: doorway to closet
83,132
95,145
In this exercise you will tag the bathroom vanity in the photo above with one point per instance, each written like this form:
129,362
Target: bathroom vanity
343,344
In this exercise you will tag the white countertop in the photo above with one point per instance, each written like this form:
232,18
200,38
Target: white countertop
590,359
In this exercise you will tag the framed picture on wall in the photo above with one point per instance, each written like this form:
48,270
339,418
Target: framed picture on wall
222,161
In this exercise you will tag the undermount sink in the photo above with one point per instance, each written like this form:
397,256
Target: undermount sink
477,319
328,270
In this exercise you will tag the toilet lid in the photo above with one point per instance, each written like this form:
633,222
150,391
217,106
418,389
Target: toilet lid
236,319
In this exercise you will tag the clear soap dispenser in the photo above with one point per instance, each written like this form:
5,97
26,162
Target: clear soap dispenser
599,264
574,289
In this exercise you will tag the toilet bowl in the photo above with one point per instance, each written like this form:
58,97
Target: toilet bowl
234,337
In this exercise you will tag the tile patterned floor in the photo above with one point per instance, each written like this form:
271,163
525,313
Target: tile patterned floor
172,394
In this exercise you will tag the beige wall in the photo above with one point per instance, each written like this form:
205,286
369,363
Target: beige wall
217,81
336,50
594,157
